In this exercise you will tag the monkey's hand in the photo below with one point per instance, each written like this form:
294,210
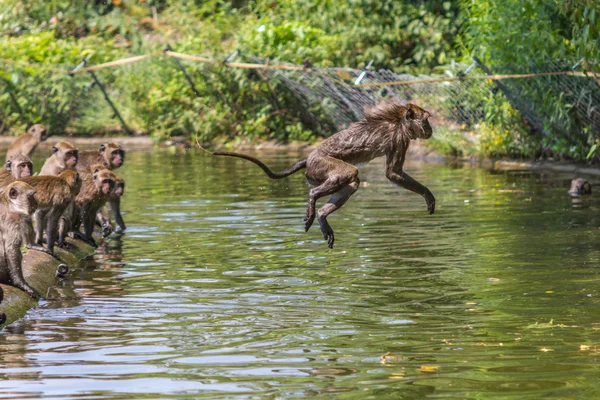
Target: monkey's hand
107,229
327,231
430,200
89,241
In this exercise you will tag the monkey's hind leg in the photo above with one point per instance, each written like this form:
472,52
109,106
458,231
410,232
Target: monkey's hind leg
337,175
337,200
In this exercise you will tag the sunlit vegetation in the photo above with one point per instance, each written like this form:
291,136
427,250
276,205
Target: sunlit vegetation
153,95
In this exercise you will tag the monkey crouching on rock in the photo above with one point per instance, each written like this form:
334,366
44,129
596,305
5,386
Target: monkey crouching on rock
94,193
114,203
17,203
386,131
53,194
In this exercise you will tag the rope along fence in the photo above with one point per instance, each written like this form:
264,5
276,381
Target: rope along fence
336,97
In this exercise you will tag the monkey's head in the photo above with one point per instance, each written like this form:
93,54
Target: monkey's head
119,187
580,187
410,121
113,155
66,154
72,178
417,121
104,180
39,131
21,198
19,166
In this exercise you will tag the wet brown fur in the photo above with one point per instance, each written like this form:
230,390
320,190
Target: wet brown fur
17,203
94,193
54,194
26,144
386,131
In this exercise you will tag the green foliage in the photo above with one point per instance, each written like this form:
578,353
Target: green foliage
522,36
395,34
401,35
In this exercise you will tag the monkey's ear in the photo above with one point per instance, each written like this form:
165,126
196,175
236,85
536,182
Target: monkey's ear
13,193
54,149
411,114
102,148
8,165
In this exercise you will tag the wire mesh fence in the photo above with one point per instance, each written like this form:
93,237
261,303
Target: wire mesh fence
328,97
565,104
342,100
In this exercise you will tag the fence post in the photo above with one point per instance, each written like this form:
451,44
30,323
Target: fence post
101,87
185,73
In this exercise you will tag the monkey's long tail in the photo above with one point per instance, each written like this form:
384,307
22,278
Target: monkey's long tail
297,166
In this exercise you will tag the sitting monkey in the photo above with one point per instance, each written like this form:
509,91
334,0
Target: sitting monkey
386,131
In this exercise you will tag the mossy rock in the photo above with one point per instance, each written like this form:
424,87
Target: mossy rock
40,271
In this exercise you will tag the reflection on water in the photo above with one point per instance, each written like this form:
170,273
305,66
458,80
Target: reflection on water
216,290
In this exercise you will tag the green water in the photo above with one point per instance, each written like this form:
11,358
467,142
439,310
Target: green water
216,291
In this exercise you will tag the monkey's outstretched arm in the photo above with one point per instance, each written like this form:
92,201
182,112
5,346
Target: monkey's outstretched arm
115,207
395,174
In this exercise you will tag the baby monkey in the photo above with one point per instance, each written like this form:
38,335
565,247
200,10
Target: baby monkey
386,131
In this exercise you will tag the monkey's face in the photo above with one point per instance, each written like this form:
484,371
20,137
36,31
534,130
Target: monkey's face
113,154
107,186
418,122
117,158
119,189
39,131
105,181
22,198
23,170
19,167
71,158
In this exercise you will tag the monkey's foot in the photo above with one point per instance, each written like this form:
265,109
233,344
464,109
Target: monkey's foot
29,290
327,231
42,249
65,245
87,240
308,220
